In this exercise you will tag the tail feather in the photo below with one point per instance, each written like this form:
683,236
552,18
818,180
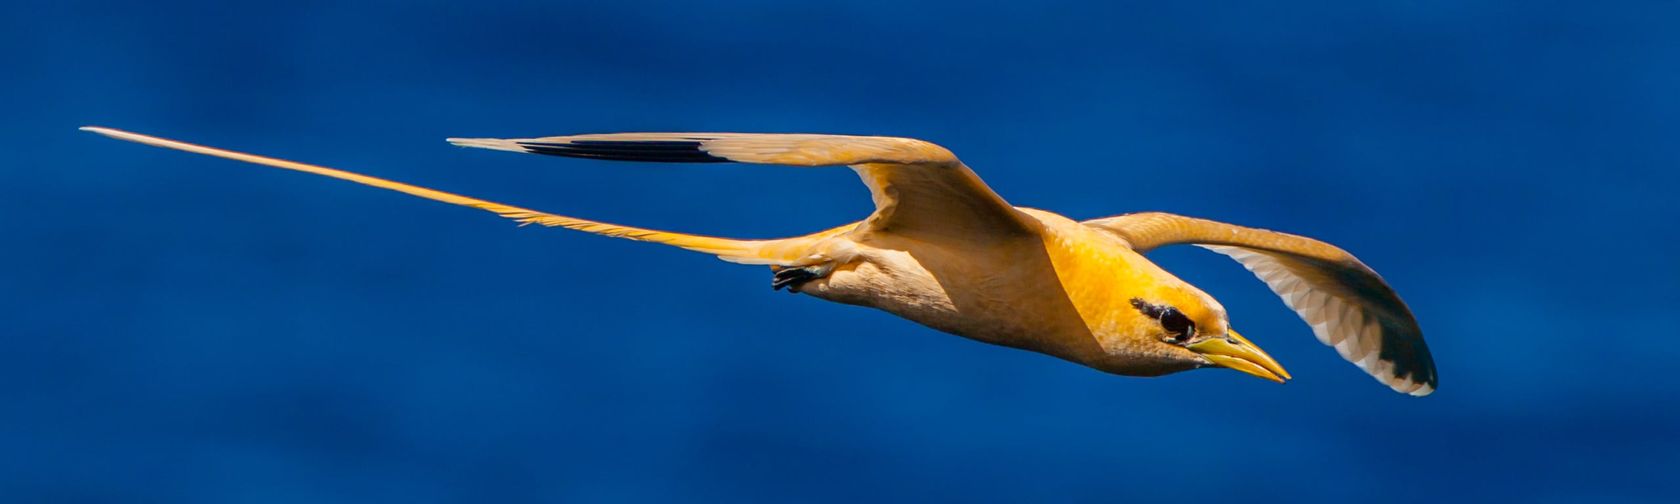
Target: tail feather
737,251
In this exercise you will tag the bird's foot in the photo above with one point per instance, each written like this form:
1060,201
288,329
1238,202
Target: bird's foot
792,277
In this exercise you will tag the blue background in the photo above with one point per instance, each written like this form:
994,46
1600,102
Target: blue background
185,329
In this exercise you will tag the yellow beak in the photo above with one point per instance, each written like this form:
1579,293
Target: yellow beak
1236,352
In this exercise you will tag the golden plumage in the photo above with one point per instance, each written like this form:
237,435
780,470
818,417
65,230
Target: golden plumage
942,249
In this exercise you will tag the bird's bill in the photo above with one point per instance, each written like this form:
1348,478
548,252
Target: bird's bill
1236,352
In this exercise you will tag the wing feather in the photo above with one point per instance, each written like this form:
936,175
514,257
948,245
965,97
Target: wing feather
918,187
1349,307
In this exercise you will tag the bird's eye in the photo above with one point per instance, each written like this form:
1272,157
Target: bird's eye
1172,320
1178,324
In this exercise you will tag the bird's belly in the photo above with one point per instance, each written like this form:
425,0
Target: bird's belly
900,286
1003,296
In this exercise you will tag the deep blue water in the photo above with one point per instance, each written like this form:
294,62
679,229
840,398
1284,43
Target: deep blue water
178,328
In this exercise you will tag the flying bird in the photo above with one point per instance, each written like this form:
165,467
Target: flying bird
943,250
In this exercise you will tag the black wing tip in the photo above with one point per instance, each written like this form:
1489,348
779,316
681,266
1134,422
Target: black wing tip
1415,385
1402,346
662,151
1420,380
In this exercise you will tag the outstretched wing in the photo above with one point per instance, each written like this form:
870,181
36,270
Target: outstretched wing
920,189
1348,305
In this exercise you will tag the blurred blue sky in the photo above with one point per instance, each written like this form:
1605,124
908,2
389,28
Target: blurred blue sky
186,329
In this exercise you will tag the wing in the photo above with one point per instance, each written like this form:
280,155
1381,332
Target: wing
774,252
920,189
1348,305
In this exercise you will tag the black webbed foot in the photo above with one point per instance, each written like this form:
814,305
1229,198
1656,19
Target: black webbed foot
792,277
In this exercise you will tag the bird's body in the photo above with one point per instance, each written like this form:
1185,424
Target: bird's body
1050,291
943,250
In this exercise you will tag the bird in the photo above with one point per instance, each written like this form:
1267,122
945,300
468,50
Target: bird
944,250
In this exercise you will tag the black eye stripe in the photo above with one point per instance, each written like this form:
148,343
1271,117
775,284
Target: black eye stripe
1152,310
1172,320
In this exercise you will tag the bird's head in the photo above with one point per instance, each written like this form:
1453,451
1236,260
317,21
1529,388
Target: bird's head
1186,325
